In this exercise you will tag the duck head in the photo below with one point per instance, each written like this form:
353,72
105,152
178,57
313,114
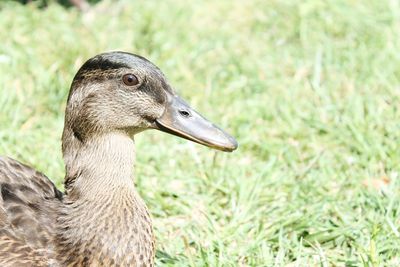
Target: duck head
123,92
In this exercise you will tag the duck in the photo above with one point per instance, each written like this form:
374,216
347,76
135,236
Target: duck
99,219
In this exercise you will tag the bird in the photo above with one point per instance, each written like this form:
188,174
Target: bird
99,219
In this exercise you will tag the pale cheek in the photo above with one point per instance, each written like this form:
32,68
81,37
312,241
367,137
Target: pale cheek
146,106
155,111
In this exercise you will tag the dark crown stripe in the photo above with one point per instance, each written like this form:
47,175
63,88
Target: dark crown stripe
100,64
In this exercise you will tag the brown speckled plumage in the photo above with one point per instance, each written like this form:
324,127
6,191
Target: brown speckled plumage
100,220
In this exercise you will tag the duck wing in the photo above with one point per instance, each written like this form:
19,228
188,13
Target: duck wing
28,206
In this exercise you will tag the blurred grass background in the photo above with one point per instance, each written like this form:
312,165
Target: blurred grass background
311,90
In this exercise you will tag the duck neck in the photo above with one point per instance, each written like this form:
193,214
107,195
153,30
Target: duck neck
102,211
102,165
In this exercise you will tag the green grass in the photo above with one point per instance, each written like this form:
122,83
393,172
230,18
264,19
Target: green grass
311,90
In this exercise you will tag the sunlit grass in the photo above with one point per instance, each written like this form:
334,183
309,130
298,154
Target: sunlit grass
311,90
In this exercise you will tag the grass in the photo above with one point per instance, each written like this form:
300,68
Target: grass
311,90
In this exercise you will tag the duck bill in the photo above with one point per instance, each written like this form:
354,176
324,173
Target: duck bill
181,120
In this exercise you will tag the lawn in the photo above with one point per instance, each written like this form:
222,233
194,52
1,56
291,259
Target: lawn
310,89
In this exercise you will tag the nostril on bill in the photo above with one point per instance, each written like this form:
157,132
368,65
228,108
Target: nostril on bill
184,113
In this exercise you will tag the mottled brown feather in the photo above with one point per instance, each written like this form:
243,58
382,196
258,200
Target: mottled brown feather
27,213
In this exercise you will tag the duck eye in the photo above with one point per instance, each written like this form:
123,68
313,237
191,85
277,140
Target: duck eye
130,79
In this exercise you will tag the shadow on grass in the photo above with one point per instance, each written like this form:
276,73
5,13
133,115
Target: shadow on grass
44,3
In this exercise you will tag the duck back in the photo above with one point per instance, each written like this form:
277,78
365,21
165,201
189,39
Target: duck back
28,205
